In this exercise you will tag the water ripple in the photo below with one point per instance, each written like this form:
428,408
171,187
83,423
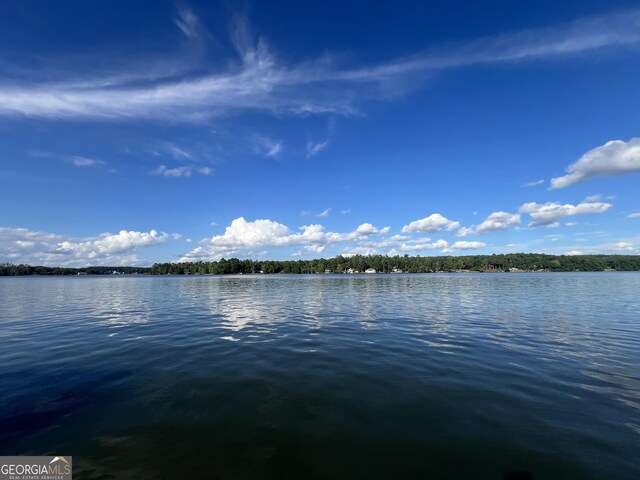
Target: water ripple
460,374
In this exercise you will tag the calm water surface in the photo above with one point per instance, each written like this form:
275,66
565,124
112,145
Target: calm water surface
461,376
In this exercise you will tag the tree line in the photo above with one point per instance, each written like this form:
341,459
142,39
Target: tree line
359,263
409,264
8,269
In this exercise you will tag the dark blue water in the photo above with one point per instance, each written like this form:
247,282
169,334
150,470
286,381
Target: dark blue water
461,376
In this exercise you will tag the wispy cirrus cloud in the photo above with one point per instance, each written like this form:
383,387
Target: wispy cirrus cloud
314,148
177,152
258,81
267,146
188,23
534,183
182,171
85,161
323,214
77,160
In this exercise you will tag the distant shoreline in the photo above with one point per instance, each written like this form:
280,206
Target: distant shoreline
358,264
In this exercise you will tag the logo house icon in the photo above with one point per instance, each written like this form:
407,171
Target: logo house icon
60,467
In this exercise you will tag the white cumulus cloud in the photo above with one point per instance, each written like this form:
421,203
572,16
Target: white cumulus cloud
433,223
594,198
495,221
21,245
419,247
368,229
315,248
464,245
625,246
113,243
549,213
242,236
613,158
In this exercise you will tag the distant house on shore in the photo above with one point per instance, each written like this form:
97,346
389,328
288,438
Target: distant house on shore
370,270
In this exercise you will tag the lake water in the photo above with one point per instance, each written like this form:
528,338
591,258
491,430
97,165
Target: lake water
460,376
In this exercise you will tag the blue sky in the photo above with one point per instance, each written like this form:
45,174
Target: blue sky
164,131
